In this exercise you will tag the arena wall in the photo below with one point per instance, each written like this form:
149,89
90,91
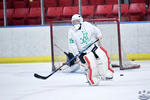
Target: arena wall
22,44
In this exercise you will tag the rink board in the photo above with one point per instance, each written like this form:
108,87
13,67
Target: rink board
32,43
61,58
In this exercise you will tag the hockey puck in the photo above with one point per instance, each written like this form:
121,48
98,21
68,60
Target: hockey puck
121,74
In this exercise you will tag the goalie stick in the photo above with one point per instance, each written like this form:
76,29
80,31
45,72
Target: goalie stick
45,77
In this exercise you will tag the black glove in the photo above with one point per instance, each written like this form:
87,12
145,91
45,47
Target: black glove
69,57
81,58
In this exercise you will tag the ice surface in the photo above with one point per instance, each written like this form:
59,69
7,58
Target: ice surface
18,83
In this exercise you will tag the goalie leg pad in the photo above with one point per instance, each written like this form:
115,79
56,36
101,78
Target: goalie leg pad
103,64
108,60
92,74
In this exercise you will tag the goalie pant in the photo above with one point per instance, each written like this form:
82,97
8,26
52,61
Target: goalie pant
97,68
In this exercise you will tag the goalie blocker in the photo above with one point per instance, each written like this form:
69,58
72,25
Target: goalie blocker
69,57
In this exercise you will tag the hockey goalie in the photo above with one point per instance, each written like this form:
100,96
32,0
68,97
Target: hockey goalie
94,60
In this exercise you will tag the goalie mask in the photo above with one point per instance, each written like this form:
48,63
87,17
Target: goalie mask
76,21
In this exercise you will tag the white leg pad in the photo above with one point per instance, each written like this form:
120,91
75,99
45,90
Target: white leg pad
103,64
92,76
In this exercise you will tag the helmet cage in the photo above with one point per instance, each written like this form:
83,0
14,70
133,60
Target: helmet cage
76,19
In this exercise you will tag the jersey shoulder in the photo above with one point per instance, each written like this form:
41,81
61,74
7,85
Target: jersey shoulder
85,23
71,30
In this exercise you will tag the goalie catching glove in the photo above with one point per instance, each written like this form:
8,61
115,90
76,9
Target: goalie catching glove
69,57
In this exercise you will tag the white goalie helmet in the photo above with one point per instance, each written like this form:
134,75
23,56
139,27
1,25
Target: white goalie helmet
76,21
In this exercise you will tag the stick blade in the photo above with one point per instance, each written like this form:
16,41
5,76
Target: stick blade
39,76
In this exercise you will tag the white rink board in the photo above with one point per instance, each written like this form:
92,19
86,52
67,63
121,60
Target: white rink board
25,41
35,40
135,37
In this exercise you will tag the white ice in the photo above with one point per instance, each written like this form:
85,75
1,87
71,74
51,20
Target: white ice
18,83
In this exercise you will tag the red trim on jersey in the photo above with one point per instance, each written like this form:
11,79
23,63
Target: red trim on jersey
107,59
90,76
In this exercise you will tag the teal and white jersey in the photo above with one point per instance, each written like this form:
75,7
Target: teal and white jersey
80,39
